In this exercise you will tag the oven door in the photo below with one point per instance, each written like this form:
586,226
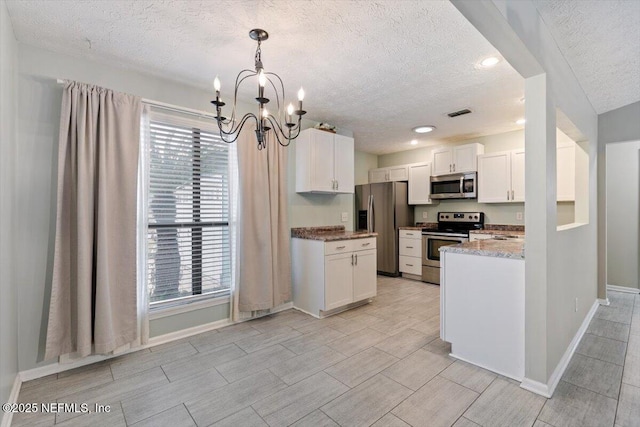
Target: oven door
431,246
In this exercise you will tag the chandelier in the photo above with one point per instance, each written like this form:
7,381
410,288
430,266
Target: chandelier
284,125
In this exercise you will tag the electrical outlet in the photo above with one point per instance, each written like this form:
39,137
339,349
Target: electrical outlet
345,216
576,304
424,215
519,216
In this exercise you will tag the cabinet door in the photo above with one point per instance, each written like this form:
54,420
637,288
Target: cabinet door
419,184
322,161
465,158
517,176
364,275
344,164
494,177
378,175
566,173
442,161
398,173
338,276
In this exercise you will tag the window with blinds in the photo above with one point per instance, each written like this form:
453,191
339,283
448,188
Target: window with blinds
188,240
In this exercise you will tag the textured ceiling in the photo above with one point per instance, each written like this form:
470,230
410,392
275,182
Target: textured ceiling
378,68
601,41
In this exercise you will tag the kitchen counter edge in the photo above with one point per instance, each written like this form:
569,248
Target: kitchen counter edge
328,234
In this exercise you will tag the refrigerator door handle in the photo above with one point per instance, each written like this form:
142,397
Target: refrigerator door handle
371,215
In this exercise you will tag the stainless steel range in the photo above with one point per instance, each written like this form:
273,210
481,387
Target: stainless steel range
453,228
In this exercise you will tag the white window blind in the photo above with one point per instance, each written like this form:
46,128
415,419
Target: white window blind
188,240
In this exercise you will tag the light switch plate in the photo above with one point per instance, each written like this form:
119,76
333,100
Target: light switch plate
519,216
424,215
345,216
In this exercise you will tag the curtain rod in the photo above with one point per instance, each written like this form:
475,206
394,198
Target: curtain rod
166,106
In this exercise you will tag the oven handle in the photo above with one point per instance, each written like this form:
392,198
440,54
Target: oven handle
461,184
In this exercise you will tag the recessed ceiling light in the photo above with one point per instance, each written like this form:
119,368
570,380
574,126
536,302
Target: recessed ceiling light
520,121
424,129
489,62
414,142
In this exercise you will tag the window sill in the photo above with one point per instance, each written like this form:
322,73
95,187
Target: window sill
161,312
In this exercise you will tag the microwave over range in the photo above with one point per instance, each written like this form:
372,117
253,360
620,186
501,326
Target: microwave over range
455,186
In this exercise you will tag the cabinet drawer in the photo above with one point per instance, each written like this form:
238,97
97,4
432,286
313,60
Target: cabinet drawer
362,244
410,247
411,265
338,247
411,234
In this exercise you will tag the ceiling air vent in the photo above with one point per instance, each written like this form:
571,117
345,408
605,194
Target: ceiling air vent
459,113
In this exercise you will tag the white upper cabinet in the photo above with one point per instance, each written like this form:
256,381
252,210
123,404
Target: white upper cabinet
324,162
457,159
419,184
517,176
501,177
388,174
566,173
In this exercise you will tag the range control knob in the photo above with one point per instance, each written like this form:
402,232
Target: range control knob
470,216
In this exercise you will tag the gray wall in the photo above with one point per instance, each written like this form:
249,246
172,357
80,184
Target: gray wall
38,122
495,213
8,144
623,191
618,136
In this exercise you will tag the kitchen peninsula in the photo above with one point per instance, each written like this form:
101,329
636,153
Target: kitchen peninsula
332,269
482,304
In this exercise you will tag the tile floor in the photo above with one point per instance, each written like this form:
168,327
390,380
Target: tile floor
381,364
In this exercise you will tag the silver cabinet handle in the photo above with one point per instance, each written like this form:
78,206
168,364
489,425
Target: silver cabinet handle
513,197
409,265
409,247
454,167
351,259
409,234
450,168
337,184
366,244
507,194
341,247
356,259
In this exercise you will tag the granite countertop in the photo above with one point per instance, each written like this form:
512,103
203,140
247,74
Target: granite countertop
420,226
329,233
499,232
513,249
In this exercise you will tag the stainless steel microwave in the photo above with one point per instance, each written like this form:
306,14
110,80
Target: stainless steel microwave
455,186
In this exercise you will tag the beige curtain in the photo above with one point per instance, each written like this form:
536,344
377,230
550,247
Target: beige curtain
264,261
93,294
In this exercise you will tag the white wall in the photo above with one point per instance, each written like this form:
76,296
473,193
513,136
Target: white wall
38,123
561,265
8,144
495,213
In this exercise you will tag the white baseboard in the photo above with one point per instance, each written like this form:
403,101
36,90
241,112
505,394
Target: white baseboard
623,289
547,389
604,301
55,368
13,398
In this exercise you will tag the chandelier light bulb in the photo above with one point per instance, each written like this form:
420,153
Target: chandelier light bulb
216,84
290,109
265,113
301,94
262,79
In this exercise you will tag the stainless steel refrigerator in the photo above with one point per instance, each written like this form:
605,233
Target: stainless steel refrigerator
382,208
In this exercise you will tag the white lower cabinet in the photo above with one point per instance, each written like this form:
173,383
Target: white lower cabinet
410,261
330,275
